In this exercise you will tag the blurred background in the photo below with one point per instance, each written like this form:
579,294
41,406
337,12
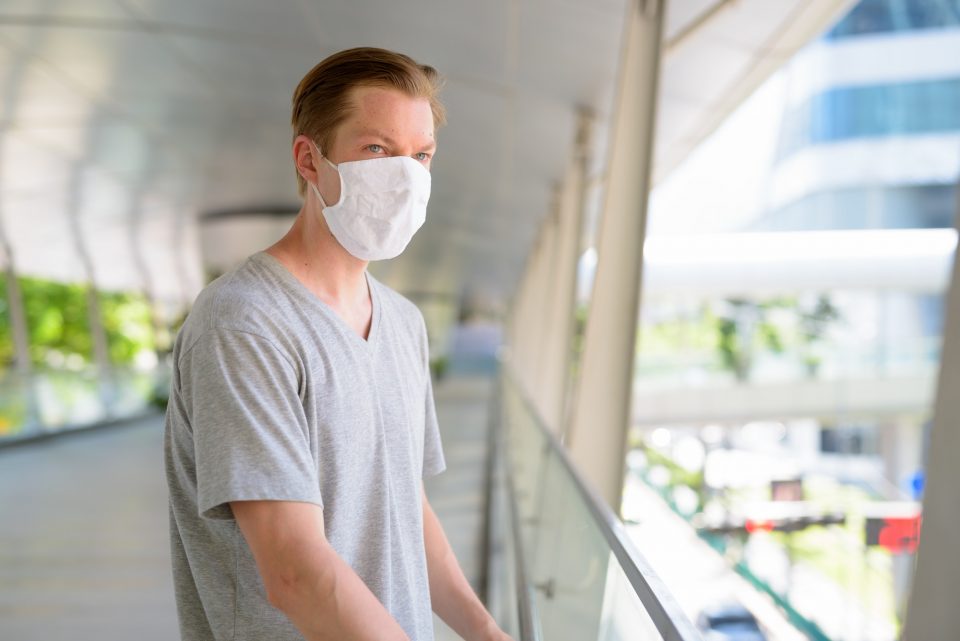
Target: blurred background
686,272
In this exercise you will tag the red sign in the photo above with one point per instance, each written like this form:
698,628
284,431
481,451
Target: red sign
896,534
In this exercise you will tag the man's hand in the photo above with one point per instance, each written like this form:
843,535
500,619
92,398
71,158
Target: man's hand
306,579
494,633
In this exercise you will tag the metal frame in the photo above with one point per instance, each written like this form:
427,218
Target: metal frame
667,616
526,604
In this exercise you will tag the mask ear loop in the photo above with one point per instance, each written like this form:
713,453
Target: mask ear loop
316,189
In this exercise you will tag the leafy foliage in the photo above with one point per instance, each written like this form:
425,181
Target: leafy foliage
56,320
127,321
59,329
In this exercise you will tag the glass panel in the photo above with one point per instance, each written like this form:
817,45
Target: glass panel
624,616
569,560
581,590
66,390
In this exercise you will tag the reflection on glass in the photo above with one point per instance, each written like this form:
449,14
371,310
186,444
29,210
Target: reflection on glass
581,590
68,391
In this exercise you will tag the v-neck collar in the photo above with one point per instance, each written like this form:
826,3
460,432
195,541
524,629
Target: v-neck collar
370,341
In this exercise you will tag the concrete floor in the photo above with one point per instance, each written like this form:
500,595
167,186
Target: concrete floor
84,549
83,525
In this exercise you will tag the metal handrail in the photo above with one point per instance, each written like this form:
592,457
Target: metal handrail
667,615
526,604
526,607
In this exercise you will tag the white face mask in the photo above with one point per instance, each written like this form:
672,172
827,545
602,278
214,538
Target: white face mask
383,202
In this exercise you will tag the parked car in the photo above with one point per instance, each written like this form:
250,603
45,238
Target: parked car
729,622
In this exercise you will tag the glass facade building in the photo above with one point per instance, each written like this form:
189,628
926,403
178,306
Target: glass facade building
885,16
877,101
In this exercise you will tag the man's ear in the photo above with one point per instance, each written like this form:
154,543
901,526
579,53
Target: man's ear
305,158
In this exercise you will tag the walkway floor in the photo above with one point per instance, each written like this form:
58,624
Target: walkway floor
84,549
83,534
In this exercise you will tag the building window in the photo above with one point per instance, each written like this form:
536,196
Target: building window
866,207
885,16
846,113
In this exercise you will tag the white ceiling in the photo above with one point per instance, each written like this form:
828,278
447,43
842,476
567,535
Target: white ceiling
133,117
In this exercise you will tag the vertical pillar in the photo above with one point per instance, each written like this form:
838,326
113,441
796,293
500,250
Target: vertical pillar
18,318
558,332
901,448
101,353
138,248
181,220
601,414
932,612
19,331
531,312
544,297
518,311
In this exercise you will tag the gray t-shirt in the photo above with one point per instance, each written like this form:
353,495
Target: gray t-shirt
274,397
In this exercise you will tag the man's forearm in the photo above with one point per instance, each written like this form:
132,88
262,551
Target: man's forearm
306,579
327,601
452,597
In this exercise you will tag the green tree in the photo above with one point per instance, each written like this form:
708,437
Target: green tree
6,335
127,322
56,316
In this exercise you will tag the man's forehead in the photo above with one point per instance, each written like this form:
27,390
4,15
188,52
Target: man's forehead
378,110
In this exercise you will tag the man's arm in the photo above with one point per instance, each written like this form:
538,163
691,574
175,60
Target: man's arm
453,599
306,579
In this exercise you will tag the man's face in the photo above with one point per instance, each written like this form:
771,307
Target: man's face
383,122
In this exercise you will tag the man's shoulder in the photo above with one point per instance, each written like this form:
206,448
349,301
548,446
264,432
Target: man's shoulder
238,294
243,299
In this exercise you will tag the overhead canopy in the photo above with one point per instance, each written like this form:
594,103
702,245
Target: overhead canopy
131,118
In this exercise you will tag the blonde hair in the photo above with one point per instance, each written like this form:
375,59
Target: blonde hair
321,102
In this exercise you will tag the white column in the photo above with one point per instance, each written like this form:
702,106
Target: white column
932,612
520,349
543,296
20,332
558,332
18,318
601,415
535,295
101,353
522,341
901,448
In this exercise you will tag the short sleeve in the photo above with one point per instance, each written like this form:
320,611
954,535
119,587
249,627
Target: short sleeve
433,460
250,433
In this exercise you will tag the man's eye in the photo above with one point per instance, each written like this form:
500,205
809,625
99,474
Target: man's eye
375,148
422,156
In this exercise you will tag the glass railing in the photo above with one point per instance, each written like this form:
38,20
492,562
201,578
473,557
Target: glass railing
575,573
52,401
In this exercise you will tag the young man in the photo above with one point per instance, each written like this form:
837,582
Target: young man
301,418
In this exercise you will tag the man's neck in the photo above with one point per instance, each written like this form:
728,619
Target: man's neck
315,258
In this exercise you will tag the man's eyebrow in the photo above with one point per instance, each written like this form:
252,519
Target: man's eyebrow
373,133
